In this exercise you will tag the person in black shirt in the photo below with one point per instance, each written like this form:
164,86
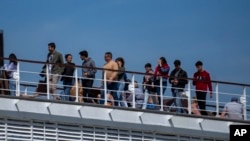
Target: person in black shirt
178,79
67,77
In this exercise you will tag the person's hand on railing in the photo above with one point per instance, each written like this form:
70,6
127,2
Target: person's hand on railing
211,94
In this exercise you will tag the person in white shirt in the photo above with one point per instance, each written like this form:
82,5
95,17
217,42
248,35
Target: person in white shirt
11,69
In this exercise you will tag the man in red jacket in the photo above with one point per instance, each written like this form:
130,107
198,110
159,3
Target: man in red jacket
202,82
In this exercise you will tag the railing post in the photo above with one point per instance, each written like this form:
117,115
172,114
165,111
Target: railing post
47,81
161,94
133,91
189,97
18,80
25,90
76,81
244,102
105,88
146,95
217,99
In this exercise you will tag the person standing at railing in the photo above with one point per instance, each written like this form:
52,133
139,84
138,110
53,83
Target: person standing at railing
178,79
11,70
121,84
55,69
233,110
148,82
67,76
111,78
88,74
202,82
161,70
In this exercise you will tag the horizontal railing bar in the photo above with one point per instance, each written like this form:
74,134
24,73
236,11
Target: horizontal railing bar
31,85
132,72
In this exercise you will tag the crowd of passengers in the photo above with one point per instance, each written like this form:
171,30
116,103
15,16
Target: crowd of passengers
119,86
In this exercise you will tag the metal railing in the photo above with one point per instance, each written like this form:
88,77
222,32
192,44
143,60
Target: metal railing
218,104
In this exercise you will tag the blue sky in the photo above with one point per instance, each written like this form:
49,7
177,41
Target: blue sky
214,31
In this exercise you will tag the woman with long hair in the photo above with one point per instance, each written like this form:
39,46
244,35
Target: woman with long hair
121,78
11,69
161,70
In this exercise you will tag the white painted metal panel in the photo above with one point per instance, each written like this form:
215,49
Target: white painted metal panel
95,113
126,116
215,126
8,104
186,122
156,119
33,107
64,110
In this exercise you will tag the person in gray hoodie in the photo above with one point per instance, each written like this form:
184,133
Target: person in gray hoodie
88,74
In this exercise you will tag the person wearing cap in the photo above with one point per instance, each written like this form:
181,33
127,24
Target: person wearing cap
178,79
233,110
88,74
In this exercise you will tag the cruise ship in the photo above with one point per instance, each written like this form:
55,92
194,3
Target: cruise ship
34,116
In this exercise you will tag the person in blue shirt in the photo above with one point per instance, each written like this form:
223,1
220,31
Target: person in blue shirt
11,69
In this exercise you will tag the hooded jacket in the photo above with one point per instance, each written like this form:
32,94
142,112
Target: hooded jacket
202,81
161,71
